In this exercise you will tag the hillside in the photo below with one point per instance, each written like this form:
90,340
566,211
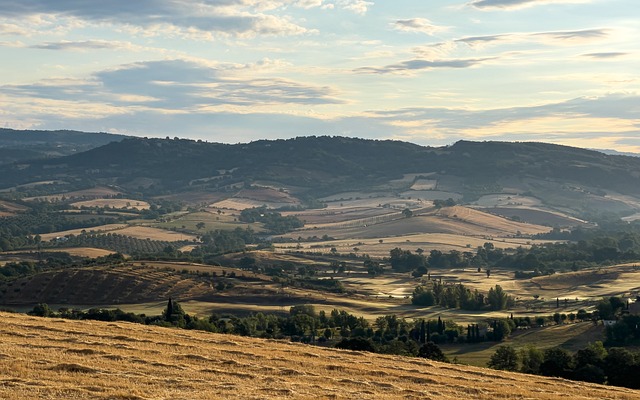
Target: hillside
24,145
558,178
53,358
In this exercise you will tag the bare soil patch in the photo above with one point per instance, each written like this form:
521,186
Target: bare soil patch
424,184
145,232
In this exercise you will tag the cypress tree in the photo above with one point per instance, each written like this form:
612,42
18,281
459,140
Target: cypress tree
169,311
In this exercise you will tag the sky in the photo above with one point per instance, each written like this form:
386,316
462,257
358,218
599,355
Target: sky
430,72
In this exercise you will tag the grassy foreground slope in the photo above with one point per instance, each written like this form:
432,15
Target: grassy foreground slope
52,358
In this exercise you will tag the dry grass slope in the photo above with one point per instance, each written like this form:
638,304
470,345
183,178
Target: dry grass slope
58,359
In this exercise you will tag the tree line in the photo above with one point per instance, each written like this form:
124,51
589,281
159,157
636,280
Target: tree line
459,296
614,366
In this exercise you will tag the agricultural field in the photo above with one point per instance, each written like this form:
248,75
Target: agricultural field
427,241
8,208
145,232
126,204
459,222
88,252
96,229
93,193
571,337
194,197
210,217
54,358
257,197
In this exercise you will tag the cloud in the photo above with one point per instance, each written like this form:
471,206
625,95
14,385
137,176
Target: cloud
232,17
421,64
596,117
175,86
549,38
306,4
84,45
357,6
517,4
13,30
420,25
605,56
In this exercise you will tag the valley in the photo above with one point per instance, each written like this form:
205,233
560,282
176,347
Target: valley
237,242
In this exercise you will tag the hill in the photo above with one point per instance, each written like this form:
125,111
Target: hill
53,358
558,179
24,145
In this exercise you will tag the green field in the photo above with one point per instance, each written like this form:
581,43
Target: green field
211,221
571,337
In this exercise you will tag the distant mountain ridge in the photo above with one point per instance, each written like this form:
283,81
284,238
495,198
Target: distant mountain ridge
18,145
563,177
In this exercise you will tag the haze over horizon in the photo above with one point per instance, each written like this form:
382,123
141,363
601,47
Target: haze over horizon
559,71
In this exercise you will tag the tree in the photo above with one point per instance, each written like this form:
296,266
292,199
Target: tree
359,344
505,358
373,267
498,299
619,367
501,330
41,310
431,351
557,362
407,213
174,314
531,358
200,225
404,260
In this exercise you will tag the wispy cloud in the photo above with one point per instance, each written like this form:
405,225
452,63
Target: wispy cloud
605,56
357,6
419,25
517,4
231,17
175,85
421,64
549,38
67,45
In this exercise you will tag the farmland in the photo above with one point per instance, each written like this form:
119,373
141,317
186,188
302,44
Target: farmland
53,358
235,240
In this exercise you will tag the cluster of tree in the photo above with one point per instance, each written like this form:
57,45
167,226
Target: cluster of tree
459,296
159,208
613,366
388,335
373,267
218,242
537,260
444,203
273,221
23,229
405,261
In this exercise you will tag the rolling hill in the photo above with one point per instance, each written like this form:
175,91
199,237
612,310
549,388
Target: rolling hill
54,358
21,145
560,179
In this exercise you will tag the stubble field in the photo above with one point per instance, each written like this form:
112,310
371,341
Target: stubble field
53,358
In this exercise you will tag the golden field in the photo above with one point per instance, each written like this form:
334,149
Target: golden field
62,359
